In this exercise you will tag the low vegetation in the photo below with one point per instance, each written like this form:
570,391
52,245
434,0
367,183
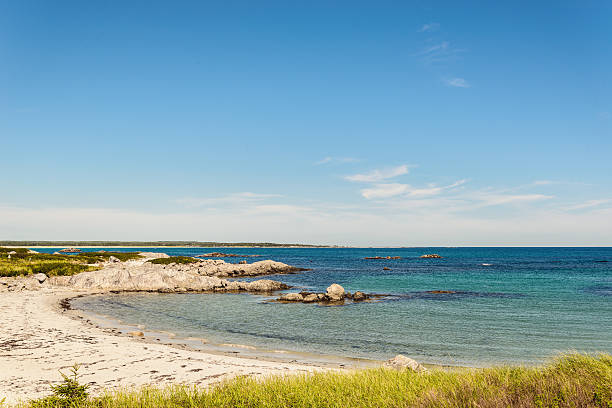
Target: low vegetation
174,260
574,380
20,262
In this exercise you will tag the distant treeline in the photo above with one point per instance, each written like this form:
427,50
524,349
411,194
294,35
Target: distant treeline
150,244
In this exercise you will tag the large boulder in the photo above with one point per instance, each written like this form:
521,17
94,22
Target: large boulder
401,362
335,292
264,285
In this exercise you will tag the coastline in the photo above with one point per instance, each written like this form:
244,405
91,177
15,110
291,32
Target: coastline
38,338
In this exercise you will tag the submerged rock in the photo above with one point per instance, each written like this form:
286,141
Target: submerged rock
401,362
431,256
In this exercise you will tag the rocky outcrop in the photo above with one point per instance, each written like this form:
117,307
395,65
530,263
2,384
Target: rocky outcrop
70,250
139,275
153,255
431,256
401,362
383,257
335,294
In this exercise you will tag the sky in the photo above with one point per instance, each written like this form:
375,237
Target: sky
366,123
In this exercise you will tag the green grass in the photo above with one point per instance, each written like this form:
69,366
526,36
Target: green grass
175,260
573,380
23,263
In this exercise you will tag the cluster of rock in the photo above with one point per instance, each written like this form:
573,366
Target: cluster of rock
334,294
140,275
70,250
431,256
383,257
223,255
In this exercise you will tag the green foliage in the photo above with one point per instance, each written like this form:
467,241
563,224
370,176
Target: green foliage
574,380
25,263
175,260
67,394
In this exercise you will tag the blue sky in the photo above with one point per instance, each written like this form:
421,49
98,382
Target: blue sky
360,123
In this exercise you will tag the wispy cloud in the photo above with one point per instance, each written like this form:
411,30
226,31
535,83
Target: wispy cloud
588,204
387,190
429,27
441,52
379,174
384,190
339,160
235,198
457,83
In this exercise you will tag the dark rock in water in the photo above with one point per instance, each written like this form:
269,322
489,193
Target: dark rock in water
383,257
441,291
291,297
386,269
605,260
431,256
359,296
223,255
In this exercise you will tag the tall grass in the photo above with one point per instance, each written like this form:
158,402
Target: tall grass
573,380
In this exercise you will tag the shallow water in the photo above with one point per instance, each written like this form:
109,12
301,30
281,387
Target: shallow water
527,305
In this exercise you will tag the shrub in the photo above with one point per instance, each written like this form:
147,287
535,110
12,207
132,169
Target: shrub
67,394
174,259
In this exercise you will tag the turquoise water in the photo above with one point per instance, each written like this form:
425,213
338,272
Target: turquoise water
527,305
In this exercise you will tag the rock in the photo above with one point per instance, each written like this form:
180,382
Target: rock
431,256
359,296
401,362
440,291
291,297
56,253
264,285
113,259
335,292
153,255
70,250
13,253
386,269
32,252
313,297
41,277
136,334
242,262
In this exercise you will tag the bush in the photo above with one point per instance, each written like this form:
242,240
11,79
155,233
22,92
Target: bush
67,394
174,259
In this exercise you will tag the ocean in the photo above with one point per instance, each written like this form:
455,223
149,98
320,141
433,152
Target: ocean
506,306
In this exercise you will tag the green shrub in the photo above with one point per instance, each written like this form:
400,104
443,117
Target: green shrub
174,259
67,394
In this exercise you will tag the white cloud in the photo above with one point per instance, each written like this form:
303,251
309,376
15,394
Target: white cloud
384,190
457,83
588,204
429,27
491,199
428,227
379,174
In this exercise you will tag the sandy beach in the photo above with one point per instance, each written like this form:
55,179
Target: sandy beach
38,338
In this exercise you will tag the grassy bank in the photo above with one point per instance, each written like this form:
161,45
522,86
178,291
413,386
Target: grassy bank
571,381
20,262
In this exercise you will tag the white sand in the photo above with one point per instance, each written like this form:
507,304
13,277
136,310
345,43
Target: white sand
37,339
